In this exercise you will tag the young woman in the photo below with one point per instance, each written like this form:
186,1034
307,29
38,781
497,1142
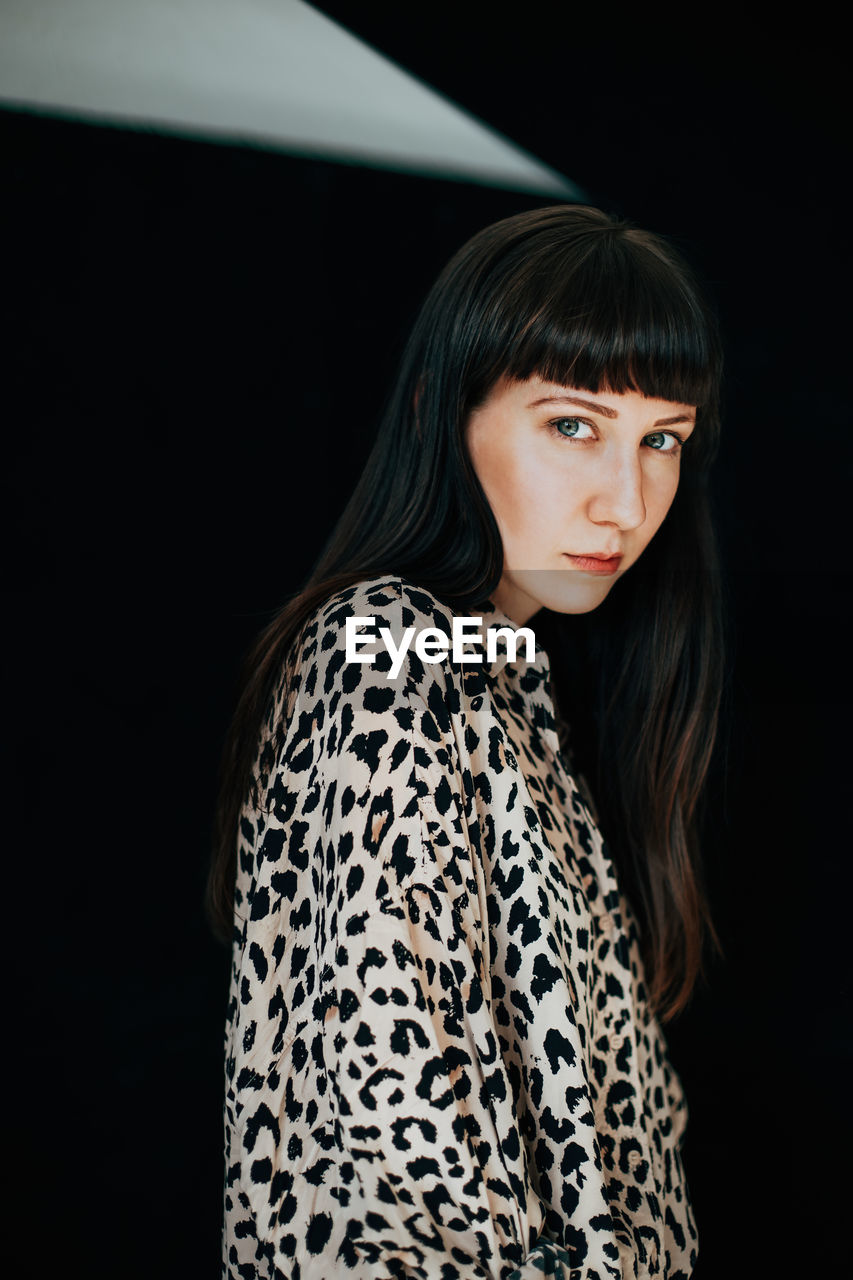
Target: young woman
452,954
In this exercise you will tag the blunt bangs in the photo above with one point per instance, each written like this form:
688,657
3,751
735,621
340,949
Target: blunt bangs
621,313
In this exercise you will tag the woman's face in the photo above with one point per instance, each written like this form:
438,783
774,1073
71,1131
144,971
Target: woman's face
571,474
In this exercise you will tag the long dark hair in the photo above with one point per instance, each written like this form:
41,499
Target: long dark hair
589,301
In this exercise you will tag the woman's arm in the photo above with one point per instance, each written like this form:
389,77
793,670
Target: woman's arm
372,1117
441,1183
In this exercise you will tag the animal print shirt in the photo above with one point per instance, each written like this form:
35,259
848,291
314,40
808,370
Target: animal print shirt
440,1059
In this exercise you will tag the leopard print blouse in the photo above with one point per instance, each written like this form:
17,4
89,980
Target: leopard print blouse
440,1061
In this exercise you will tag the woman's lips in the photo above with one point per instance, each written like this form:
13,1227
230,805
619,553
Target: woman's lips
594,564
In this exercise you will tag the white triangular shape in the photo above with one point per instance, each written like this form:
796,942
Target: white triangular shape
272,72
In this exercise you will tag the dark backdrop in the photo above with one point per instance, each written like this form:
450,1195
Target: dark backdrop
202,338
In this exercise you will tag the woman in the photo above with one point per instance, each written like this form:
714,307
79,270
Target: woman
444,1054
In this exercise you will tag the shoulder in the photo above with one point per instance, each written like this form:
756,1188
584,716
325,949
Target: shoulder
359,651
366,625
365,703
391,599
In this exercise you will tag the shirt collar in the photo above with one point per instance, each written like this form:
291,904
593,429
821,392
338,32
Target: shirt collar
530,680
503,627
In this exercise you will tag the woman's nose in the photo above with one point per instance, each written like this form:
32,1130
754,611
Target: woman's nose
618,493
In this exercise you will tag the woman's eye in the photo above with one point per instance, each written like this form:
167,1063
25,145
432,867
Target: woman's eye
569,427
658,439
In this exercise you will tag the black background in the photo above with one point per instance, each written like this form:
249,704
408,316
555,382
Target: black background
202,338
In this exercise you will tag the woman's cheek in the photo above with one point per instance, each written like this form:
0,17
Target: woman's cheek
662,493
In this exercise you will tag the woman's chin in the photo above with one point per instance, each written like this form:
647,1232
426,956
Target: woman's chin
563,590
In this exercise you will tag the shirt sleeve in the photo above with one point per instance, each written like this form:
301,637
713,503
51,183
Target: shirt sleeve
440,1185
370,1114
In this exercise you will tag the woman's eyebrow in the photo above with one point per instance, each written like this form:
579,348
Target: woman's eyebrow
606,411
585,404
689,418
